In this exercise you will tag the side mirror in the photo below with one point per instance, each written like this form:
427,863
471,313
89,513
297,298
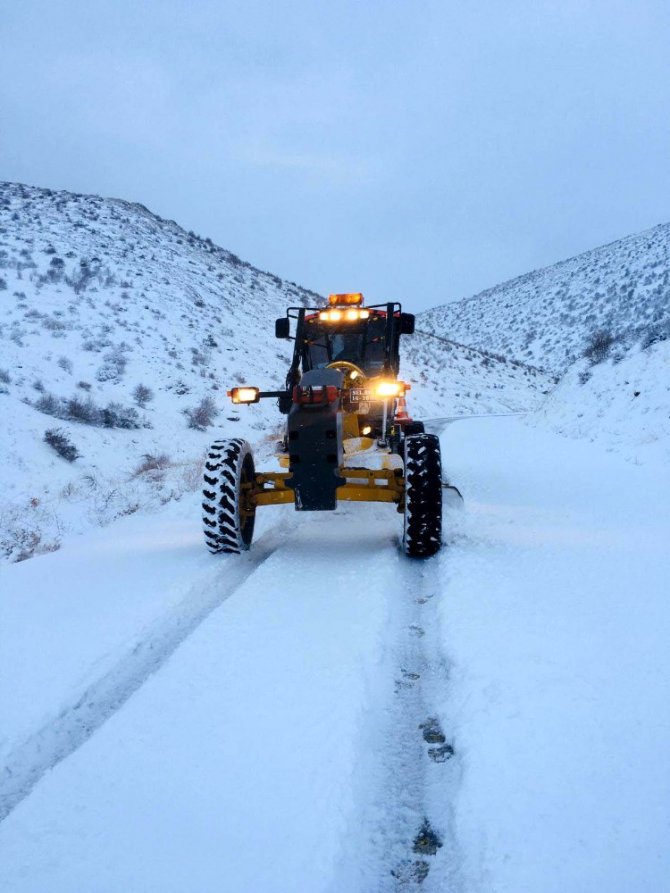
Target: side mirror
406,323
282,327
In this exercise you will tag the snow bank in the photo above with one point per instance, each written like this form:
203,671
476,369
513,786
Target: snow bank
622,406
555,618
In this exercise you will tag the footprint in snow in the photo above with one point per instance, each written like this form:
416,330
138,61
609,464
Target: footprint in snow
432,731
424,598
408,872
433,734
426,842
413,676
441,754
408,680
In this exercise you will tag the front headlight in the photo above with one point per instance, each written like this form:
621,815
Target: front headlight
244,395
389,389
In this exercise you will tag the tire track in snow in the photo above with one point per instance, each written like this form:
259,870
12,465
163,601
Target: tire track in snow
403,839
422,769
437,425
80,719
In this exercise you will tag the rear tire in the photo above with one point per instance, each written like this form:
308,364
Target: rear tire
422,536
227,524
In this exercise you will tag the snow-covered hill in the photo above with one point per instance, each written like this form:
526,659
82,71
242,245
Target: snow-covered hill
98,298
601,320
622,406
550,317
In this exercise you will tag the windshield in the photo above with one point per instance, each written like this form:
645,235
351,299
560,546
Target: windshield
361,345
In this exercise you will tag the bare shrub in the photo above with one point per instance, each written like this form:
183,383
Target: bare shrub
142,395
54,325
19,543
199,358
113,367
93,345
598,346
48,404
81,278
59,441
5,377
192,476
65,364
114,415
56,270
152,463
78,410
659,331
201,416
74,409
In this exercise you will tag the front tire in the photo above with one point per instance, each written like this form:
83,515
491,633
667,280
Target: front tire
422,536
228,519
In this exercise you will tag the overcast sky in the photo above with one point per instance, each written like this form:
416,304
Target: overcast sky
414,150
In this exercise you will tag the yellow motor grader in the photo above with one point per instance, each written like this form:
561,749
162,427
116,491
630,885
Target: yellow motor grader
348,435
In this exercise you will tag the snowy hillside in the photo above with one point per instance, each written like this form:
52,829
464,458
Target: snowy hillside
549,317
622,406
120,333
601,320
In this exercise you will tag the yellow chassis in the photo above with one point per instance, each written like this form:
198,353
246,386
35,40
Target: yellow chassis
363,485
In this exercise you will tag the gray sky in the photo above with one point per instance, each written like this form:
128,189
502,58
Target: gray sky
415,150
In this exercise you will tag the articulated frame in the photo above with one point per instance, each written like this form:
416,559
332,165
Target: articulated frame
363,485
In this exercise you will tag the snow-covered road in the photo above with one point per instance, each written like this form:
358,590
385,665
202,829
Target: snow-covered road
285,721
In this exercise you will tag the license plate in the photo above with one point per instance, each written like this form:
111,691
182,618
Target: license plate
360,395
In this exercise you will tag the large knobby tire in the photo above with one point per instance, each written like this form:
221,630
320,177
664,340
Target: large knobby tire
422,535
228,527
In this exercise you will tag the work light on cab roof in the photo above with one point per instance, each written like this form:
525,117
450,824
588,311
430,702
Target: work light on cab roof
346,299
344,308
348,434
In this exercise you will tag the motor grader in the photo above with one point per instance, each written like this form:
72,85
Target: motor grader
348,435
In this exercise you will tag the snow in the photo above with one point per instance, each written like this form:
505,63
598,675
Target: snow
133,299
101,296
600,323
295,718
275,744
549,316
230,768
555,617
624,406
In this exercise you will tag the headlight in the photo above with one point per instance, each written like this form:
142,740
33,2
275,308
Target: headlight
390,388
244,395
